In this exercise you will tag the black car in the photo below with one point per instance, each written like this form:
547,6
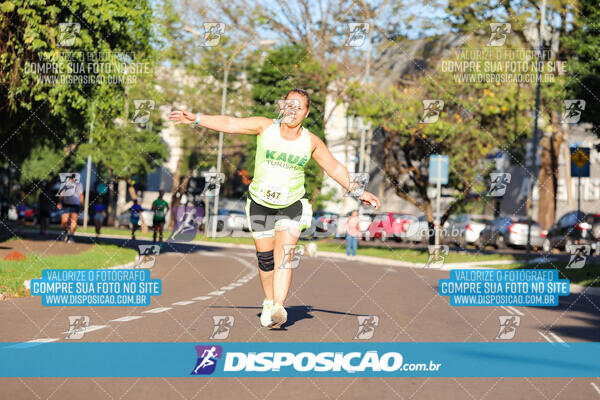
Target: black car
575,227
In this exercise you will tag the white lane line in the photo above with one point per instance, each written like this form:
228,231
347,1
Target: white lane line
216,293
546,337
508,310
158,310
182,303
31,343
595,387
43,340
235,284
127,318
93,328
227,288
558,339
202,298
515,310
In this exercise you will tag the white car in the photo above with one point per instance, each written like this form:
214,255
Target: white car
418,230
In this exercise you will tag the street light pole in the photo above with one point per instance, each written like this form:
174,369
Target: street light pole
535,124
220,154
88,172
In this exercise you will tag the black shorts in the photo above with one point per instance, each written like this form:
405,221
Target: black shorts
71,208
263,221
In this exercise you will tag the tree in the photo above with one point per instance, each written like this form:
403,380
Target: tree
476,119
473,17
46,110
584,66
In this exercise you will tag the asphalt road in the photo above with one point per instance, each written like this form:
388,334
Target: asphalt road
327,296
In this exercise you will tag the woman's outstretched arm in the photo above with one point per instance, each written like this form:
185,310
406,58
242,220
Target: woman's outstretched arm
338,172
222,123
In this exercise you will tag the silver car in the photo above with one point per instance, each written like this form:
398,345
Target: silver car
465,229
511,231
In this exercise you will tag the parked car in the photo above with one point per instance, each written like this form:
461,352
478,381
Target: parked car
29,213
125,216
417,229
229,219
325,221
389,226
404,221
232,220
464,229
510,231
574,227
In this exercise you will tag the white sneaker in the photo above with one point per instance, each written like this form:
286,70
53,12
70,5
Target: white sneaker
265,315
278,316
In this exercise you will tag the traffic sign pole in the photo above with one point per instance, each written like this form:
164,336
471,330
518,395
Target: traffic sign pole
579,193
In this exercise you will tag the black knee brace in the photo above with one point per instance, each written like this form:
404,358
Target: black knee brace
265,260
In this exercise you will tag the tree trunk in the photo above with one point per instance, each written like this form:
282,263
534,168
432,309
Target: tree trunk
548,179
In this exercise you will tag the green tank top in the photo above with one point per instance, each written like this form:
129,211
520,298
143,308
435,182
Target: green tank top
279,168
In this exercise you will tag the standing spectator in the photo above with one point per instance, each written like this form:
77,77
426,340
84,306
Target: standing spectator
99,214
44,207
160,208
352,233
134,218
69,201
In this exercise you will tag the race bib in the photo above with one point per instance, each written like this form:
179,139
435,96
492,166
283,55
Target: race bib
273,194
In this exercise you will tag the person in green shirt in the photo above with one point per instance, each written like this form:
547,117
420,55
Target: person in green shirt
160,208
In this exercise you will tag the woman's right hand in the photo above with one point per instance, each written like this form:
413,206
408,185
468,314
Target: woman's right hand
182,117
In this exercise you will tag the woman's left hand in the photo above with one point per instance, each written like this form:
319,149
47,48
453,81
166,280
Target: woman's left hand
370,199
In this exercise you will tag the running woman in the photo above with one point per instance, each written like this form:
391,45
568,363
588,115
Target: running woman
160,208
277,209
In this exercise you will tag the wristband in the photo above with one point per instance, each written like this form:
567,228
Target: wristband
197,121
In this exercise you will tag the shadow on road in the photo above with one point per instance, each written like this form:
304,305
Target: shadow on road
295,313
